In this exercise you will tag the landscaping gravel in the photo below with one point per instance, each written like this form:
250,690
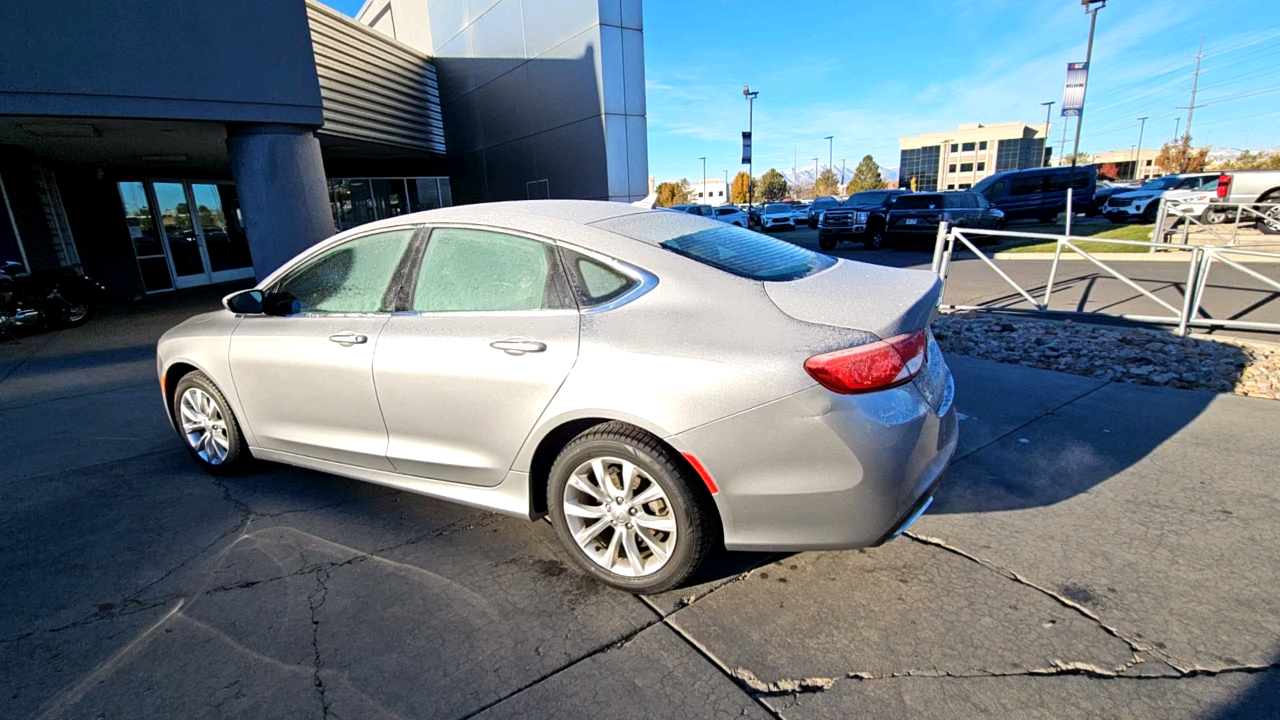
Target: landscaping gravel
1132,355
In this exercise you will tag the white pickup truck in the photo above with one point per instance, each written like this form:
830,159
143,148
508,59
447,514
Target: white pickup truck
1254,186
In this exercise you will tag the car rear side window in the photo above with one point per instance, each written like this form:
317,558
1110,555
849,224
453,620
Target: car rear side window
918,202
748,254
594,282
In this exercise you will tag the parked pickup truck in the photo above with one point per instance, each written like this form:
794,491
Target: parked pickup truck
1250,186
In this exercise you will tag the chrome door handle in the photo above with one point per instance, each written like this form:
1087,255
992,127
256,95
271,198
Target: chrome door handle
518,346
348,339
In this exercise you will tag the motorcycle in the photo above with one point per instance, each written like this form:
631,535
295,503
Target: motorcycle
56,298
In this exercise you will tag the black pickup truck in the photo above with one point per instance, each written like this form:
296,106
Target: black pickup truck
861,219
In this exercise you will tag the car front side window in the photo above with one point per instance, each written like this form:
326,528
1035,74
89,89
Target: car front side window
466,270
353,277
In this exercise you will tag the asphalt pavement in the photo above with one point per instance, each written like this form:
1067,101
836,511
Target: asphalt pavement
1097,550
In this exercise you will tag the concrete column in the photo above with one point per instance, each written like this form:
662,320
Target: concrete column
280,182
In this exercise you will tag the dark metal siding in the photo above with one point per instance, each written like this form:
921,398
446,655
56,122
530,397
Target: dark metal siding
372,87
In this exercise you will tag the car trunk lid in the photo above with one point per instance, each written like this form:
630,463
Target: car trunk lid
873,298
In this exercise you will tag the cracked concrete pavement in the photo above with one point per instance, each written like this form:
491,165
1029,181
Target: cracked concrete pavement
1096,551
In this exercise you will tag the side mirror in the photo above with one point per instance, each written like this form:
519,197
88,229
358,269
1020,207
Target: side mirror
280,304
245,302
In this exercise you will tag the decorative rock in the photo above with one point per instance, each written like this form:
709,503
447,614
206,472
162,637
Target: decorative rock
1132,355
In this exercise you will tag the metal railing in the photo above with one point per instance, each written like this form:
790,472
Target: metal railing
1174,225
1200,261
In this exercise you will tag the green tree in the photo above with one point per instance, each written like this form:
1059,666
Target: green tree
1251,160
773,187
670,193
738,191
827,184
866,177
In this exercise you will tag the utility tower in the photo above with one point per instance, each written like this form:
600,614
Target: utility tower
1191,108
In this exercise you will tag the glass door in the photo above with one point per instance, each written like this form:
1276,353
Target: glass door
186,251
226,247
153,262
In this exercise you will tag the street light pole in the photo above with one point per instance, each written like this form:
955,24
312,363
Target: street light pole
831,142
751,176
815,177
704,178
1137,162
1075,150
1044,162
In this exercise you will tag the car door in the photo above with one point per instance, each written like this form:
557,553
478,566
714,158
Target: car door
305,380
485,334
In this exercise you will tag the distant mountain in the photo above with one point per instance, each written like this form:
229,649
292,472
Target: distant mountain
805,176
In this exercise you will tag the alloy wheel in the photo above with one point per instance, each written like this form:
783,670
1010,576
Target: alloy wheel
203,426
620,517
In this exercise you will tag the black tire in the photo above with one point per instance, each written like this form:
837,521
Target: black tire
696,521
1271,224
237,457
877,239
1149,214
827,243
75,309
1046,219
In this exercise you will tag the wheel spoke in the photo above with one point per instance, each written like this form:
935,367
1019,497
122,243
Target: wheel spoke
191,425
597,467
659,549
655,522
628,479
585,486
589,532
651,493
583,511
611,552
633,552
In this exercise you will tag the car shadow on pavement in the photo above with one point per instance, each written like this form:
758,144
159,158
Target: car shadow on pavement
1032,437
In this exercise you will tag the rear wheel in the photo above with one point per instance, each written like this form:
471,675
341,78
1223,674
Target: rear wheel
1269,223
1214,216
74,308
1046,219
629,510
208,429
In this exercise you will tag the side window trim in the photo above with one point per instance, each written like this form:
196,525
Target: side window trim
558,273
644,280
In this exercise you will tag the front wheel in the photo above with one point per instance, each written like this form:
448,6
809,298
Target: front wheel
876,239
629,510
208,429
826,243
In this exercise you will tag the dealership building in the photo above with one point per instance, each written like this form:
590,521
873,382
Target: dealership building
160,145
958,159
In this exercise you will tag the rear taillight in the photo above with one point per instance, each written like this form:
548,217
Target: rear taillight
1224,185
876,366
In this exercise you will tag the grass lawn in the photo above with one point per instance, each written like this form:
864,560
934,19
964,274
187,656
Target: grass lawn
1122,232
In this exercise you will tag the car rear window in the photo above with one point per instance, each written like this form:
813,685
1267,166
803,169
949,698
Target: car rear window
918,202
735,250
749,254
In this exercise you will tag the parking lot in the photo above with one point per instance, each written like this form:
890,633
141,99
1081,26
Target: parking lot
1097,550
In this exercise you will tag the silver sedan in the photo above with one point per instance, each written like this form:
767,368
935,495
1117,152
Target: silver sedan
659,384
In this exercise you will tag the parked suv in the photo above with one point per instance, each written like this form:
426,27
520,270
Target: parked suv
915,217
1143,203
1247,186
776,216
861,219
819,206
731,214
1041,193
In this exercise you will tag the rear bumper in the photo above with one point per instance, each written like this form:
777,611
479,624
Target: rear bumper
822,471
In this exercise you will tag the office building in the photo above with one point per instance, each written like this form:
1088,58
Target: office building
165,145
715,192
1130,164
957,159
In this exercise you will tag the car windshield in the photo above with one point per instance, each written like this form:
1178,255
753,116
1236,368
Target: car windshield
825,202
918,202
777,208
1163,183
749,254
867,198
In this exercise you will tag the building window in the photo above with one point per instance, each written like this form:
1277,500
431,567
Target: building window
951,168
920,165
955,147
968,147
982,166
356,201
951,187
966,167
965,186
982,145
1019,154
1148,163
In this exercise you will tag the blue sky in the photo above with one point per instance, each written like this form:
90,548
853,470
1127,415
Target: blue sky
869,72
